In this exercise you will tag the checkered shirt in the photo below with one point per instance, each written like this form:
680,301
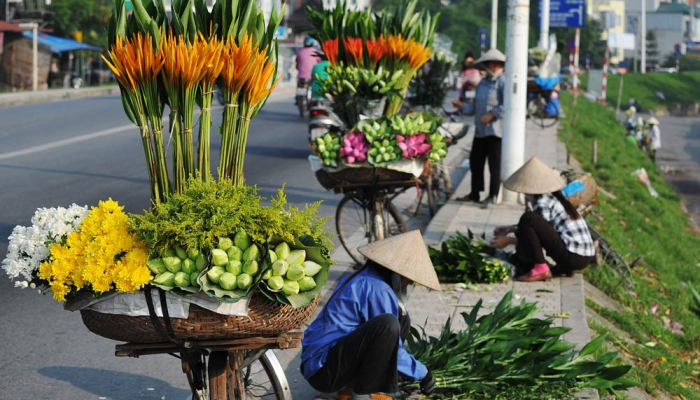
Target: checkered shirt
574,233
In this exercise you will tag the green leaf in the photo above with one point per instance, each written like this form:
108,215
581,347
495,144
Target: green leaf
592,347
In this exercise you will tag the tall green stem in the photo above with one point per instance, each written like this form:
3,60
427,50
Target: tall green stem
178,166
204,140
150,164
241,139
188,103
228,132
160,158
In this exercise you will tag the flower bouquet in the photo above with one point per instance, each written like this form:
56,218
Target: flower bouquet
208,250
372,57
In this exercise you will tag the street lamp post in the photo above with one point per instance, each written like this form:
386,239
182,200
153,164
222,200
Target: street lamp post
644,37
34,27
544,25
494,23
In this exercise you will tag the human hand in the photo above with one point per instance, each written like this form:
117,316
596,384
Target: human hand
502,230
487,118
500,242
457,104
427,385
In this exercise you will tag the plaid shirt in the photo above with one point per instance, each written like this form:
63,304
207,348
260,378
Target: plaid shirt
574,233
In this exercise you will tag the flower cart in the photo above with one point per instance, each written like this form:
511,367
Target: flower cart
209,272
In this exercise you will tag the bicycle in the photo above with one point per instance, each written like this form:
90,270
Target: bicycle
366,214
537,109
237,369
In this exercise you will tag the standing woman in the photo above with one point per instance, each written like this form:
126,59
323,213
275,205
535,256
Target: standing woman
355,345
654,137
488,107
553,225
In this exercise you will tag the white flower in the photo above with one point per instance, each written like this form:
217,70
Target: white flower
29,246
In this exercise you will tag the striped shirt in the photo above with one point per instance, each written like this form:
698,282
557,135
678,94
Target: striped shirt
574,233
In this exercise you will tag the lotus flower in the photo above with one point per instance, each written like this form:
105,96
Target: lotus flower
354,148
413,146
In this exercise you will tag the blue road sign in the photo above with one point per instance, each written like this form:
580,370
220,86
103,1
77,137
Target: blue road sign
565,13
483,38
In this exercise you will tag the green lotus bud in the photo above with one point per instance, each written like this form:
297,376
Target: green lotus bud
306,283
311,268
234,267
200,263
219,257
296,257
234,253
224,243
242,240
182,279
165,279
243,281
282,250
267,275
168,253
252,253
279,268
290,288
275,283
295,272
173,264
188,266
180,252
215,273
192,254
227,281
250,267
193,279
156,266
272,255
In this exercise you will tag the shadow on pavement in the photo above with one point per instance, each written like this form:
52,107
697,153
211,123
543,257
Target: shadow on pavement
115,385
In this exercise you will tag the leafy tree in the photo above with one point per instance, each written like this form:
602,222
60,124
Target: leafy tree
88,16
652,49
590,42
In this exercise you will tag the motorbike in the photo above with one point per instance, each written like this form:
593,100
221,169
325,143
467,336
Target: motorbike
303,97
467,96
323,120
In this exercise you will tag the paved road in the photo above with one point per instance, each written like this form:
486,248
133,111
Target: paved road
82,151
680,156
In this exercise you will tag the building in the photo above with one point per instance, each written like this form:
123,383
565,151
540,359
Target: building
674,24
611,14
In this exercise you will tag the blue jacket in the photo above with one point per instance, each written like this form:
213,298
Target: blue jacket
363,298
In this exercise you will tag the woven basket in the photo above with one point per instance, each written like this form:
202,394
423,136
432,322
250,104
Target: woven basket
589,196
361,176
265,318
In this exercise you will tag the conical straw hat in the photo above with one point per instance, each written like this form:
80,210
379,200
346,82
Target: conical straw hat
491,55
405,254
535,177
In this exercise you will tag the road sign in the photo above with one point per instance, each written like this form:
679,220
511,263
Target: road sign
483,38
692,47
565,13
571,44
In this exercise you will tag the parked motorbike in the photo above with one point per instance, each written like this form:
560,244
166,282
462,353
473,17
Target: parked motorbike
323,120
303,97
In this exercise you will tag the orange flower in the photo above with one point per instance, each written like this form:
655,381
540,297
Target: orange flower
353,50
214,60
237,63
184,61
262,76
330,48
396,47
417,55
376,49
134,61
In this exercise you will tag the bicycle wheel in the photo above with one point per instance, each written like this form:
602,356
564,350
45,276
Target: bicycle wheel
439,186
261,375
265,379
353,222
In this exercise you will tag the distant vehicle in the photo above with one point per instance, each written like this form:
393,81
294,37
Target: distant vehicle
669,70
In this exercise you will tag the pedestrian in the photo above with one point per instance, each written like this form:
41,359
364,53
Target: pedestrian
306,59
654,137
488,122
355,345
553,225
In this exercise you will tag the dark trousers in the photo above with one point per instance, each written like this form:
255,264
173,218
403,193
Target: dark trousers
535,234
366,359
483,149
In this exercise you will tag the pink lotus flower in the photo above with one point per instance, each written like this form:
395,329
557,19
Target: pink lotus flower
413,146
354,148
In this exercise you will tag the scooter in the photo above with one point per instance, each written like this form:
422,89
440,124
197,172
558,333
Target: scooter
323,120
303,97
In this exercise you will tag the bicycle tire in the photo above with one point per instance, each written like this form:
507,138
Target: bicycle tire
431,192
353,222
439,188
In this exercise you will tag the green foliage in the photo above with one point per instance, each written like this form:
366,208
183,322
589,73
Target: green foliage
467,259
206,211
428,88
636,224
88,16
687,62
510,349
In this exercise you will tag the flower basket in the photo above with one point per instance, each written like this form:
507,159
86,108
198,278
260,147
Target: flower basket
587,197
265,318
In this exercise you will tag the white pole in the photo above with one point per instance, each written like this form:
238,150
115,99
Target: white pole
35,57
644,37
513,147
494,23
544,25
577,42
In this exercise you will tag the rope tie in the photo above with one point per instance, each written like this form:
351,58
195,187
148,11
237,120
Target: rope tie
188,130
231,105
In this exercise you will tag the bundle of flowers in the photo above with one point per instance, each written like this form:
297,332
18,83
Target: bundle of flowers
384,50
380,142
177,60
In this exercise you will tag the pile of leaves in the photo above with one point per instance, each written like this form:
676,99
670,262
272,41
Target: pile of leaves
428,87
468,259
511,349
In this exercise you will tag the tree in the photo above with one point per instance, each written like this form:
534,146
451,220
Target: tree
652,49
590,42
88,16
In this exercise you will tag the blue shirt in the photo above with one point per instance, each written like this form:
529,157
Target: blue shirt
366,296
489,99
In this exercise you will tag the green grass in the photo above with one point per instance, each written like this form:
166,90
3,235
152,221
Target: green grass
636,224
677,88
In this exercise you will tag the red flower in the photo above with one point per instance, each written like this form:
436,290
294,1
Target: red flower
353,50
330,48
376,49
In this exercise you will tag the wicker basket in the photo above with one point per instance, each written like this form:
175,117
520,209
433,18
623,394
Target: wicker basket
589,196
265,318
